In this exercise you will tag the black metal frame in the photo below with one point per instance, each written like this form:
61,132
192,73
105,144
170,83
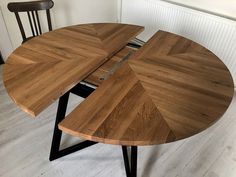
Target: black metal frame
84,91
1,59
133,45
130,167
55,153
136,43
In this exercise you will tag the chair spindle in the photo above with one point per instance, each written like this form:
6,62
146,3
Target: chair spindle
31,24
39,26
20,26
49,20
35,25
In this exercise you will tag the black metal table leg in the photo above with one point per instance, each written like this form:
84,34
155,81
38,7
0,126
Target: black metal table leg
126,160
131,170
134,155
55,153
61,112
1,59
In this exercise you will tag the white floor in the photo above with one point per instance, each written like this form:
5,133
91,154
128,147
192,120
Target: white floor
25,145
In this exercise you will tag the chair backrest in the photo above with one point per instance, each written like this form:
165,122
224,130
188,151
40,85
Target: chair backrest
32,9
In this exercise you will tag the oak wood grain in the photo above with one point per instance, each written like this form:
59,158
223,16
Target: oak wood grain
45,67
170,89
211,151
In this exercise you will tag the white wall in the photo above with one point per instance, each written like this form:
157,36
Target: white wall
5,43
221,7
64,13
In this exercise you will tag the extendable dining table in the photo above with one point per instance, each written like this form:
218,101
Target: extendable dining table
169,89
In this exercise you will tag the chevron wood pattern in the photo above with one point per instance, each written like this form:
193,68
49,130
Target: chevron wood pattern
171,88
45,67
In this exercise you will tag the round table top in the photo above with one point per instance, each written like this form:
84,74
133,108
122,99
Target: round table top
172,88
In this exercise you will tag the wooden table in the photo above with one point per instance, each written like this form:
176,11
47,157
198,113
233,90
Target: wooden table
170,89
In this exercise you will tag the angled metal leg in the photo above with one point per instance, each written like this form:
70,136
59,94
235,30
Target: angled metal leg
130,168
1,59
126,160
134,155
61,112
55,152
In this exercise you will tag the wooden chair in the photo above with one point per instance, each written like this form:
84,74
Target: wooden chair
32,9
